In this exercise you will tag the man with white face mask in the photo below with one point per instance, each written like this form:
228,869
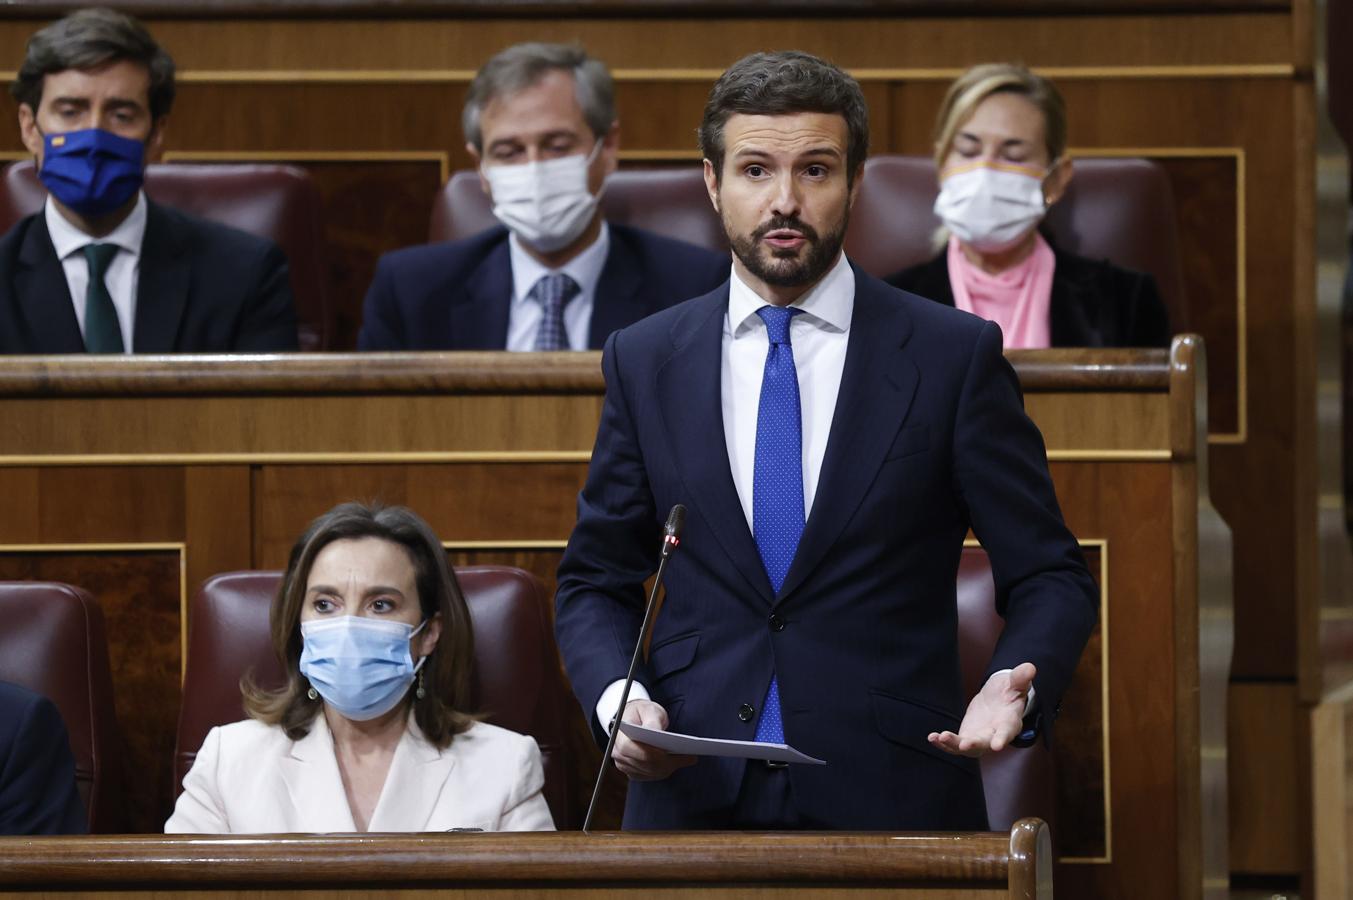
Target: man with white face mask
540,122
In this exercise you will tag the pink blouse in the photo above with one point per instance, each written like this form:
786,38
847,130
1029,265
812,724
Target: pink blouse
1017,299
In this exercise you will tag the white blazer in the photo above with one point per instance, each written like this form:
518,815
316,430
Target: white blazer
250,778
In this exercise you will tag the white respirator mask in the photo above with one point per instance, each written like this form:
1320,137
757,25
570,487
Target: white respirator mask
545,203
991,206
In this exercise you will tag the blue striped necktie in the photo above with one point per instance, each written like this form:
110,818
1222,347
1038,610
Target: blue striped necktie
777,479
553,292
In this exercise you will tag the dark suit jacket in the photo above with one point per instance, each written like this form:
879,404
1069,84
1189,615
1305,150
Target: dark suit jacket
37,771
457,295
1094,303
203,288
928,439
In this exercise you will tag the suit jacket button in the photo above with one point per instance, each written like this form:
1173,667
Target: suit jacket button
746,711
777,623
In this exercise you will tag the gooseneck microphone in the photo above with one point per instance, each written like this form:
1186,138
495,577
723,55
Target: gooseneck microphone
671,539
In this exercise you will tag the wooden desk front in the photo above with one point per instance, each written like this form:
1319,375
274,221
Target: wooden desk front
139,477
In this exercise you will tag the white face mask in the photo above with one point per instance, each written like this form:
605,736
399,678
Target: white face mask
991,207
545,203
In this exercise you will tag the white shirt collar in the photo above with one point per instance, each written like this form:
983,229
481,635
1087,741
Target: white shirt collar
585,268
68,239
829,305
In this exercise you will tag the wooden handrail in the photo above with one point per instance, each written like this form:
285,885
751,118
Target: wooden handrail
462,373
1019,858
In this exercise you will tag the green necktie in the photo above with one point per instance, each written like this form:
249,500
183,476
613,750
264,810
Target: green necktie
102,334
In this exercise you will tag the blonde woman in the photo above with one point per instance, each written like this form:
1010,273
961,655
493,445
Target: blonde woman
1000,146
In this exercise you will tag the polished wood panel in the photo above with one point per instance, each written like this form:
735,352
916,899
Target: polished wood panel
1263,769
968,865
493,448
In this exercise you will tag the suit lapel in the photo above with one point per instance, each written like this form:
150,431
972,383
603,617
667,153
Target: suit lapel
479,318
162,285
617,302
688,387
310,772
878,384
43,294
413,785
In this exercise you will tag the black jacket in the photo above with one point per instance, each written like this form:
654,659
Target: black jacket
203,288
1094,303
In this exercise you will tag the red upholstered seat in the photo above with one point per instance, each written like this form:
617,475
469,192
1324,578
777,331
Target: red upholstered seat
277,202
53,642
1121,210
1019,781
671,202
517,678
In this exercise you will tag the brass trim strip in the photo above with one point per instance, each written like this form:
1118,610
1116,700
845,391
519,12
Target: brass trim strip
1241,434
430,456
505,545
130,547
1102,544
216,459
683,74
441,157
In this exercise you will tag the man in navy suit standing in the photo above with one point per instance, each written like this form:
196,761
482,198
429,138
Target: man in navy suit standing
833,439
102,269
37,771
540,123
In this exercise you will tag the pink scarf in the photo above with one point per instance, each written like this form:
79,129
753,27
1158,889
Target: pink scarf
1016,299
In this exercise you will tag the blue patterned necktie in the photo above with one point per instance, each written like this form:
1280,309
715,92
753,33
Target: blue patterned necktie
553,292
777,479
102,332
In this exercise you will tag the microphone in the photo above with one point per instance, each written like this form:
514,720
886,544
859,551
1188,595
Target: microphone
671,539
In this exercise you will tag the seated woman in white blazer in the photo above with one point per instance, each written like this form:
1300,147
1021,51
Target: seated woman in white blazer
368,606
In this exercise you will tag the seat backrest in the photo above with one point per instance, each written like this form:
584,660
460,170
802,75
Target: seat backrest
1018,782
277,202
53,642
670,202
518,683
1121,210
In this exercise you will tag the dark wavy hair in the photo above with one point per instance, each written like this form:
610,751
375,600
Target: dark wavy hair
88,39
783,83
443,712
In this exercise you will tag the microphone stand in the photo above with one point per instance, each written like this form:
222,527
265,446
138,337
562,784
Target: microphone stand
670,541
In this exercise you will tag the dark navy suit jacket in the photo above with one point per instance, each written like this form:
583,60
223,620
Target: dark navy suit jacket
203,288
928,439
37,771
457,295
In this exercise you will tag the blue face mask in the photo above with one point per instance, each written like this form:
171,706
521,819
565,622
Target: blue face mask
93,171
361,667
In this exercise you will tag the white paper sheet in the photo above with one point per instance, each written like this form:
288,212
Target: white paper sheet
673,742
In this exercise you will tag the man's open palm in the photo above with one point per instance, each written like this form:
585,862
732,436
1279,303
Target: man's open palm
995,716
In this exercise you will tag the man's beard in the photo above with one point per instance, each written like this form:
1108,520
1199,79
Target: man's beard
784,268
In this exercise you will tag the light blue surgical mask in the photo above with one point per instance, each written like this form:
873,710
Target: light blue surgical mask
361,667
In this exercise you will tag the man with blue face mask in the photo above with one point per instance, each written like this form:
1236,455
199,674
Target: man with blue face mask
101,269
540,122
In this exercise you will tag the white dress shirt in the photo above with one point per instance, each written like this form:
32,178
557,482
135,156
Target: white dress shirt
523,320
123,273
